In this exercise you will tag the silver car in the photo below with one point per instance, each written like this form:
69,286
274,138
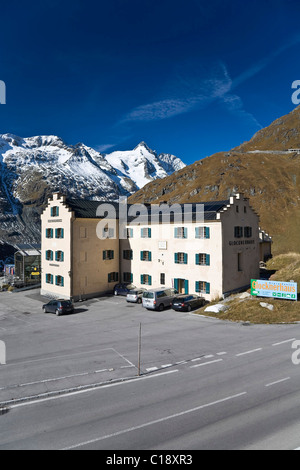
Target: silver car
159,299
135,295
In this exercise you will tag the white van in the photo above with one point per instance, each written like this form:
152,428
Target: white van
158,299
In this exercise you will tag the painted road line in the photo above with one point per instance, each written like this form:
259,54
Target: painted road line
206,363
221,353
50,396
156,421
248,352
151,369
284,342
278,382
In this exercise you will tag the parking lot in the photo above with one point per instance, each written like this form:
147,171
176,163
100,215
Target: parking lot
95,344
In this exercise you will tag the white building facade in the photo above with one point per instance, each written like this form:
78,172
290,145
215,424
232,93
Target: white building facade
212,255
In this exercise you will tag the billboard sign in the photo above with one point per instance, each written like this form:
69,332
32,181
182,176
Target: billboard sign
274,289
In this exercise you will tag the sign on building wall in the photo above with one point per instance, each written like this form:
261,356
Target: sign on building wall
274,289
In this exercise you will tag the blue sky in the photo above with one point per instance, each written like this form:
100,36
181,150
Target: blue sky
188,77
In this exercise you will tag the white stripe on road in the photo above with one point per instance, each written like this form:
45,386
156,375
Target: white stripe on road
206,363
249,352
278,382
33,400
283,342
156,421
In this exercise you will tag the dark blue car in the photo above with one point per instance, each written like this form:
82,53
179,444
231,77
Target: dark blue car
123,288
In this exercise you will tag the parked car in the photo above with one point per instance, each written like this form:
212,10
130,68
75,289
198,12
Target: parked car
59,307
123,288
159,299
135,295
186,303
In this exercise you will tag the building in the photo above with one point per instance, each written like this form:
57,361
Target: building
86,251
28,264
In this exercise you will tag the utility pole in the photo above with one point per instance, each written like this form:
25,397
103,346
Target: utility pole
139,350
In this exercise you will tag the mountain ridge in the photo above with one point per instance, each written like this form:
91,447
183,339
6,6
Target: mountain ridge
265,169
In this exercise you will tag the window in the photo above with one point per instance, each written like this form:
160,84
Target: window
113,277
202,232
59,256
180,232
49,232
146,279
247,232
83,232
128,254
128,232
146,232
202,287
180,258
49,255
59,281
238,232
55,211
128,277
162,279
49,278
239,262
202,259
108,254
59,233
146,256
108,232
237,209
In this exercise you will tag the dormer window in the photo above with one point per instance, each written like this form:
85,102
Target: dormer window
55,211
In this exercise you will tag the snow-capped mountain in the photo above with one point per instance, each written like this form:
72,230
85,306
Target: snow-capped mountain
32,168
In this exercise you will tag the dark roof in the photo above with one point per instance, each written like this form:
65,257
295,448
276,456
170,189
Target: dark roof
84,209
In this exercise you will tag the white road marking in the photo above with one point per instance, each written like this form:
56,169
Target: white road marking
156,421
206,363
283,342
34,400
151,369
249,352
221,353
278,382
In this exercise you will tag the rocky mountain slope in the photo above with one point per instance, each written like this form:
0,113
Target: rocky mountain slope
33,168
266,169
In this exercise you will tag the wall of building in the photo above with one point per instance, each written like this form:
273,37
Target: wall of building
241,255
53,267
163,246
90,270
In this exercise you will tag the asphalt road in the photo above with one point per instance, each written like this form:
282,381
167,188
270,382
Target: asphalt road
71,382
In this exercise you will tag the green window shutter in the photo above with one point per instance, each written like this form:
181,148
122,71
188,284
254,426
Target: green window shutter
185,232
62,256
52,211
149,232
197,286
207,232
56,255
175,232
142,256
197,232
176,258
62,281
142,279
197,258
176,284
131,277
51,255
51,232
207,261
185,258
131,254
104,255
150,256
186,286
56,233
149,280
62,233
207,287
51,278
